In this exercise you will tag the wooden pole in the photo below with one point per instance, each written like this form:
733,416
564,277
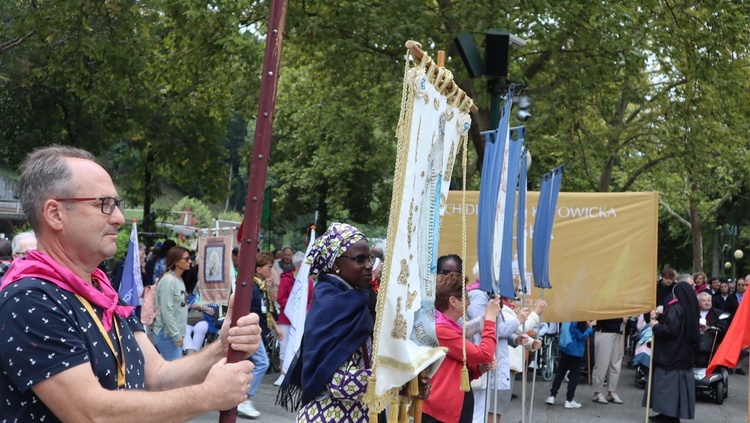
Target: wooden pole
258,172
441,58
418,53
650,373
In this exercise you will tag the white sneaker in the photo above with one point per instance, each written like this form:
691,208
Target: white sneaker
572,404
279,380
246,409
550,400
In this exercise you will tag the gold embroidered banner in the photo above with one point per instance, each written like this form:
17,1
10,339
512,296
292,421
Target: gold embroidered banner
603,258
434,123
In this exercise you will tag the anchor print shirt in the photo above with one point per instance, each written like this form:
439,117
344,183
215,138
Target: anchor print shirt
45,330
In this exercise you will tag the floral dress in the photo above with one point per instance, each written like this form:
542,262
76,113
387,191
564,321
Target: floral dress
342,400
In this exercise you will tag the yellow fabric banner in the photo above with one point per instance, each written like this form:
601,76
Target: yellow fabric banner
602,257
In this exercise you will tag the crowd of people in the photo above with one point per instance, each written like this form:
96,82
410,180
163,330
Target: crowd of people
73,349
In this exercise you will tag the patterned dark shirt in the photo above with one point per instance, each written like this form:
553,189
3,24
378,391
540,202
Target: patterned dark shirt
45,330
4,266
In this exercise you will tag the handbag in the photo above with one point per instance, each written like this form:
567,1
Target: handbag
480,382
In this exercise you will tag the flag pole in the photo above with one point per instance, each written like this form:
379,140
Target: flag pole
258,172
650,373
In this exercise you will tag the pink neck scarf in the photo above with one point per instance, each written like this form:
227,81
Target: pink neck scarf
39,265
441,318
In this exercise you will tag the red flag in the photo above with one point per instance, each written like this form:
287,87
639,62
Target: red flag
737,337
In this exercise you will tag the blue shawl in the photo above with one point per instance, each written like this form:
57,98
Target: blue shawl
338,323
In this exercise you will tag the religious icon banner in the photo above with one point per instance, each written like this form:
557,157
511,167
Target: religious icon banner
215,261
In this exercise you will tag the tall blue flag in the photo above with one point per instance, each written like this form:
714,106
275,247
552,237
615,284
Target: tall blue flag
521,220
506,256
489,193
545,217
131,285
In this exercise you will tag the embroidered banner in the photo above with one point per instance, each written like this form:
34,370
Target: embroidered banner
434,122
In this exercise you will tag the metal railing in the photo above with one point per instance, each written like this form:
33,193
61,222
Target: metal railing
10,208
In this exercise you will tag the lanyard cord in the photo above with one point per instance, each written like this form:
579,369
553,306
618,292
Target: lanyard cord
120,363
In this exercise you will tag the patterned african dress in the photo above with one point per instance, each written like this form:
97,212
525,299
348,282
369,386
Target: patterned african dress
342,400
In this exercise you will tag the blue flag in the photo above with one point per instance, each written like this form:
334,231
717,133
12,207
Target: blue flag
131,285
521,220
545,217
489,195
506,257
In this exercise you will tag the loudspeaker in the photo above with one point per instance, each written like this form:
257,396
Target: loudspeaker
496,53
470,54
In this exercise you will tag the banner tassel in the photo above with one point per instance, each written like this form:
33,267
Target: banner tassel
465,385
403,417
369,397
393,413
414,387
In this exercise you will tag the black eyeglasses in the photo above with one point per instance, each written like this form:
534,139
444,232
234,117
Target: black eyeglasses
108,203
360,259
448,272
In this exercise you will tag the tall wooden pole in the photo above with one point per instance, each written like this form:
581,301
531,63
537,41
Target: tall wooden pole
258,171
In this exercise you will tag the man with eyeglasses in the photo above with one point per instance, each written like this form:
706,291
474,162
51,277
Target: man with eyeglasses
71,350
741,288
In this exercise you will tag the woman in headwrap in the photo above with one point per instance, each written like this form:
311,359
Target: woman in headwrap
676,337
329,375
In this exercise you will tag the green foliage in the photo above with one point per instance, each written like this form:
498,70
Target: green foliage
123,240
232,216
200,212
630,95
151,85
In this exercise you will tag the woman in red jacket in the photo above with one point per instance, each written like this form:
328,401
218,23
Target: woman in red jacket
447,403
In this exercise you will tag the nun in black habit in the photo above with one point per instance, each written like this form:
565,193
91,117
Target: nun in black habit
676,337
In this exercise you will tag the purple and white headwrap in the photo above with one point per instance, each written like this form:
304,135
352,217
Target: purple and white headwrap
329,246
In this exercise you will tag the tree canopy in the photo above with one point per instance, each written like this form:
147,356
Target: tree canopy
630,95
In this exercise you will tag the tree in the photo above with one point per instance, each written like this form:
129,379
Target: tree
200,215
156,81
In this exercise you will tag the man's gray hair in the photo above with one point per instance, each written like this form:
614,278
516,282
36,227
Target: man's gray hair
45,174
17,240
686,277
704,294
297,259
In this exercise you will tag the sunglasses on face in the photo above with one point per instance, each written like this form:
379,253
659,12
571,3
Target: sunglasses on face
448,272
360,259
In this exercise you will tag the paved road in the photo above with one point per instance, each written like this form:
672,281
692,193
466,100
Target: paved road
733,410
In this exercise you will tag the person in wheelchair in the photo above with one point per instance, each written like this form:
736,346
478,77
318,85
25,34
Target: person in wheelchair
713,326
